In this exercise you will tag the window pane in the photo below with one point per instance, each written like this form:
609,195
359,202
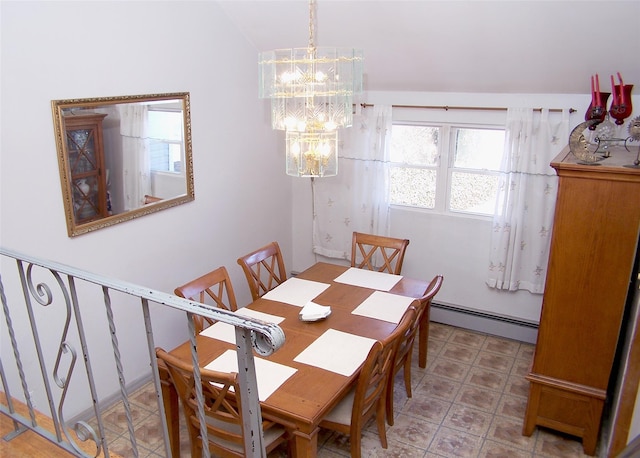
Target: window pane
166,125
165,156
417,145
175,157
478,149
416,187
159,155
473,192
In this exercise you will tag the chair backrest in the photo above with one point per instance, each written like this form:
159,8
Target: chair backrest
368,250
264,269
405,342
429,294
214,288
370,391
222,407
432,289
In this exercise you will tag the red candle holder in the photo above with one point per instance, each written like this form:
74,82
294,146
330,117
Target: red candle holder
621,107
597,109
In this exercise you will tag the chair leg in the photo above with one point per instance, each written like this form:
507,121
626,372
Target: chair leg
407,374
380,417
423,337
389,400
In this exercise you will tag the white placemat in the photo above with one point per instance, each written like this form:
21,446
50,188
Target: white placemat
384,306
296,291
269,375
369,279
226,332
244,311
337,351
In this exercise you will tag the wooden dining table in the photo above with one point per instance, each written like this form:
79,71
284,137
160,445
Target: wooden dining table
311,392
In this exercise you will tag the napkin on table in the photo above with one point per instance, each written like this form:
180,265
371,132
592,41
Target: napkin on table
313,312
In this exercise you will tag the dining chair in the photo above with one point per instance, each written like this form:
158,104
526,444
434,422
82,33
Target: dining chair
367,250
222,409
264,269
404,353
213,288
368,398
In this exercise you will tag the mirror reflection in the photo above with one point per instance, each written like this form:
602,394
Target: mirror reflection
122,157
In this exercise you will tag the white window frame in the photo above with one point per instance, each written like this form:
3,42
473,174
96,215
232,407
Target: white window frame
444,167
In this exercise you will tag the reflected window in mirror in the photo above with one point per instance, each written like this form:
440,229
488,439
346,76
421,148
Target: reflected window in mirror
167,153
122,157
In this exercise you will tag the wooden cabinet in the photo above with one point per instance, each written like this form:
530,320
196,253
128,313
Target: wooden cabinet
593,246
86,163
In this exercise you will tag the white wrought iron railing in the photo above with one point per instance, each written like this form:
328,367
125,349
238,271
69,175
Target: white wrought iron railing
44,283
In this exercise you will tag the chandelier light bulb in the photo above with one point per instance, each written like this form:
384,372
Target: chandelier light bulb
286,77
295,148
330,125
325,149
290,123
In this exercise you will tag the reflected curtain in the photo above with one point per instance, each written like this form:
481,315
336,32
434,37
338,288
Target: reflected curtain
526,200
357,198
134,123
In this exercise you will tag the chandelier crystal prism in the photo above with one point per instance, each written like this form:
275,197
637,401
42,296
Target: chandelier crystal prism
312,91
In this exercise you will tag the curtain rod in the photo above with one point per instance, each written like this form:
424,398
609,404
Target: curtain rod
446,108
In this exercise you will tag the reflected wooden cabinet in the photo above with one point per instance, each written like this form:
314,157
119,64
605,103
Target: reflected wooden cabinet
593,247
85,148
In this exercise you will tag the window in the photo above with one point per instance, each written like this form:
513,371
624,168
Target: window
165,145
445,168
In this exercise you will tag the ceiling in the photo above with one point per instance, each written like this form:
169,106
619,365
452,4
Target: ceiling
508,46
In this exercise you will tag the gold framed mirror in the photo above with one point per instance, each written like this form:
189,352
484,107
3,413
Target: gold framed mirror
122,157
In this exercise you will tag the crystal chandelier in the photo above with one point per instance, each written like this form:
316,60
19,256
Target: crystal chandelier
311,91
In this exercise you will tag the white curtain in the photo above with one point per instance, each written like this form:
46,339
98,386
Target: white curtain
526,200
357,198
134,122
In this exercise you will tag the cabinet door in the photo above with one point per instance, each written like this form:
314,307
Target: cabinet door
84,147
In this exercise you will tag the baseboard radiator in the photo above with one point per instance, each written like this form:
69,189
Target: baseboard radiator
498,325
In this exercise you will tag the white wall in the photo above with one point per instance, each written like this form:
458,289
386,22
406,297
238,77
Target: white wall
58,50
454,246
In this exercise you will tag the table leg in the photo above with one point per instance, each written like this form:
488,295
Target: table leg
305,445
170,402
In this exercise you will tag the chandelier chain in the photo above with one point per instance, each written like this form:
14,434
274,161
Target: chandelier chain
312,45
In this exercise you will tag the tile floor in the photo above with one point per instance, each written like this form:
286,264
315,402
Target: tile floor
468,402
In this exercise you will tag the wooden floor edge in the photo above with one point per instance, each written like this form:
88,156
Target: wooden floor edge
30,443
